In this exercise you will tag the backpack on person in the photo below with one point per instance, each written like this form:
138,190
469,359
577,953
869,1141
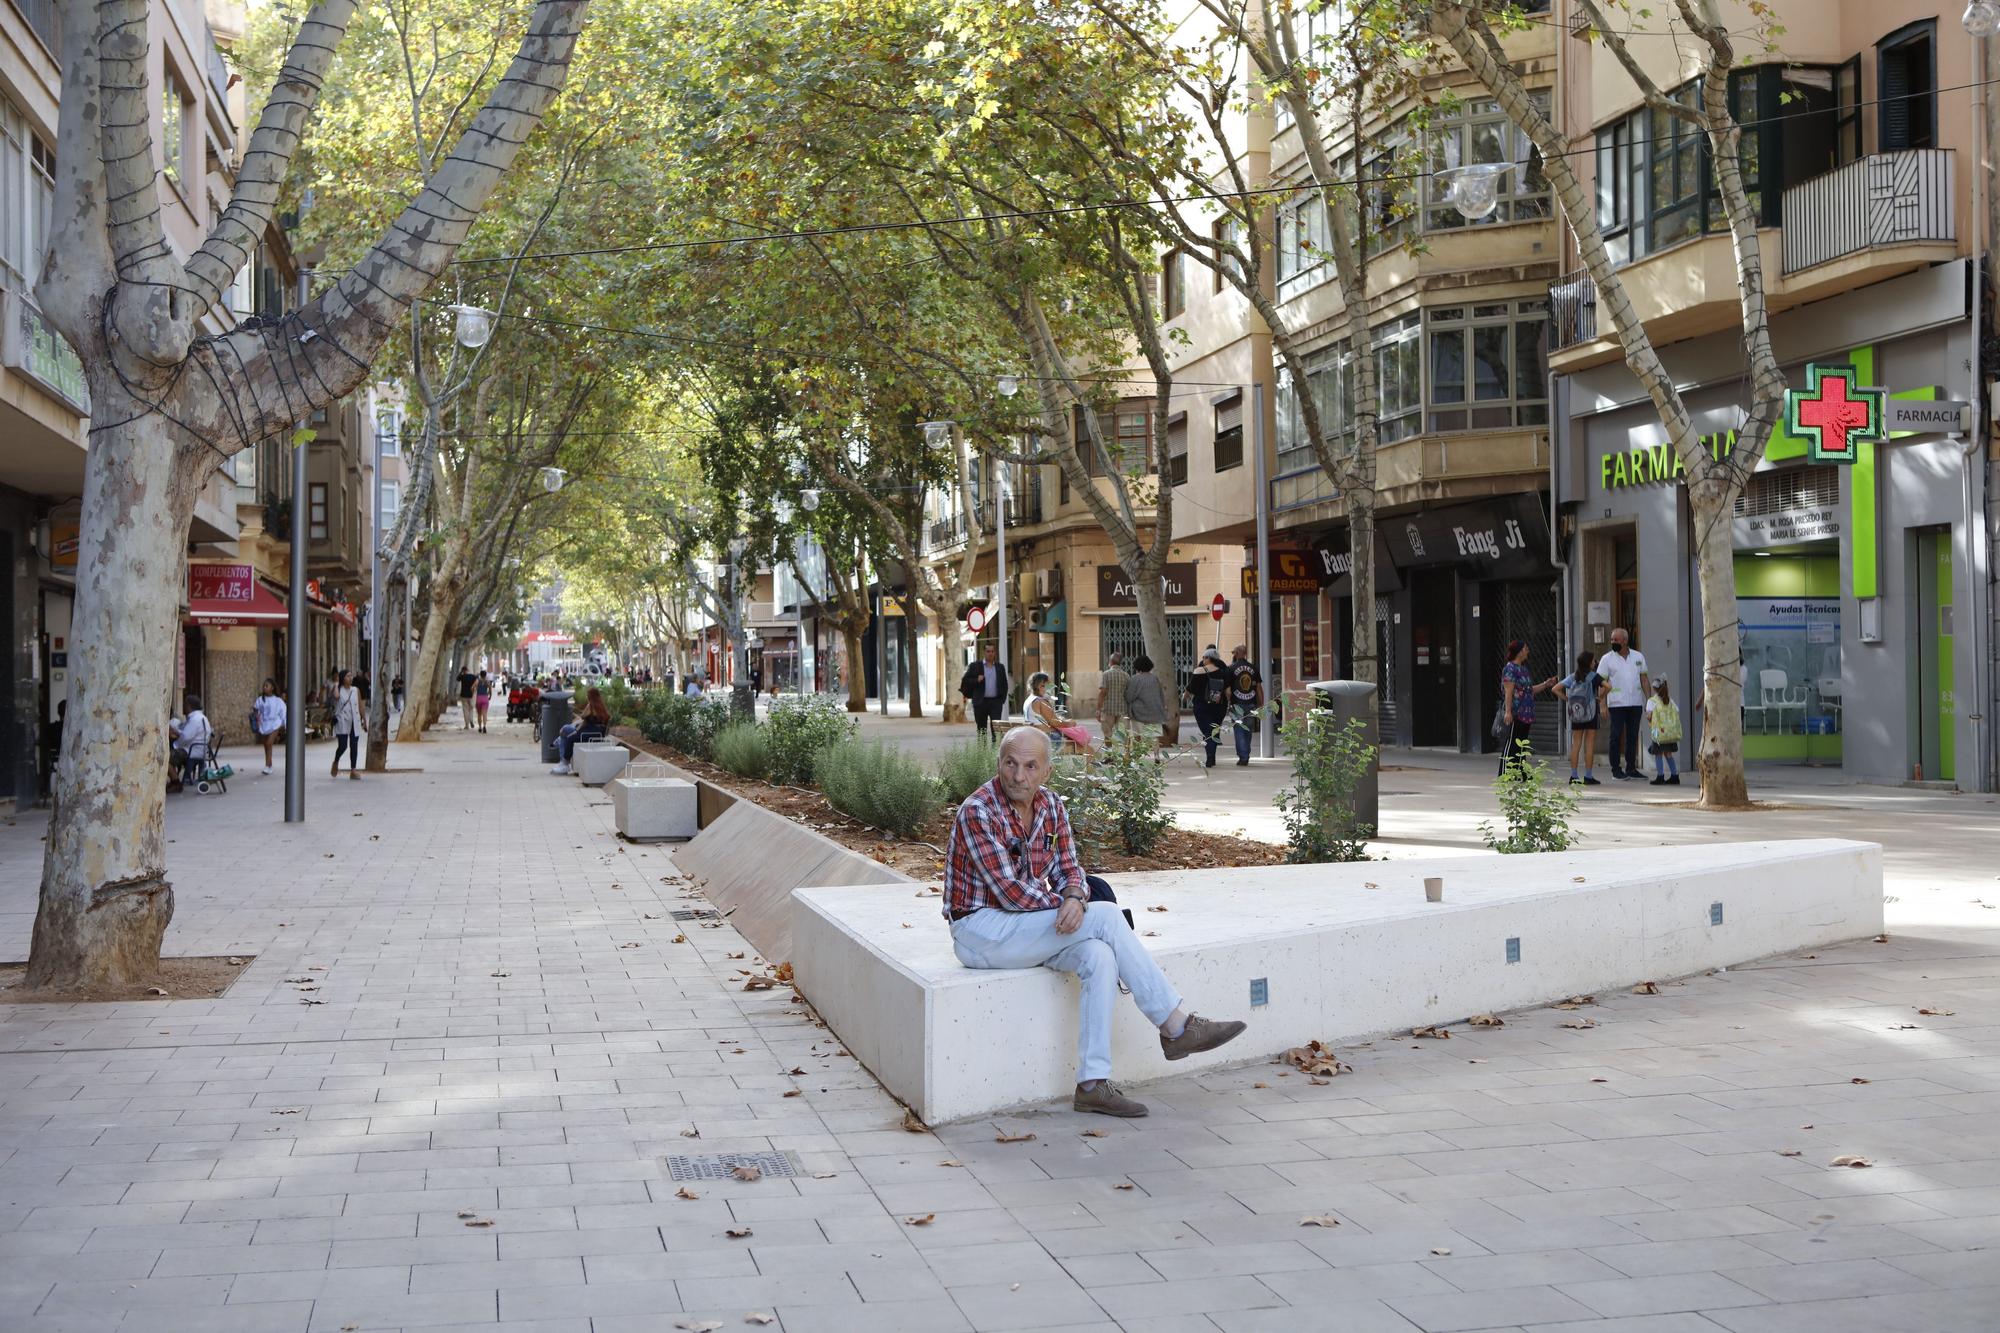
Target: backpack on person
1583,700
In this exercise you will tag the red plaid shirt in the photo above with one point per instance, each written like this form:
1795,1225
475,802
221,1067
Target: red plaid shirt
993,863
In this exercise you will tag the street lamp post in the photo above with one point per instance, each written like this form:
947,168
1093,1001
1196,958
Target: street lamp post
1267,741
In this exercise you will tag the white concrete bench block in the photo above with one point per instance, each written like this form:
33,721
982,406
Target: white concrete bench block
653,807
597,762
1345,953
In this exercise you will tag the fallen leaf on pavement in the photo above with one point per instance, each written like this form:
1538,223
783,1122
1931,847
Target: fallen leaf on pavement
1319,1220
1093,1133
1315,1057
699,1325
1260,1085
1860,1080
923,1221
796,1070
1647,988
1440,1250
1851,1161
746,1172
914,1125
690,1133
480,1222
1581,1023
825,1175
1319,1082
759,983
633,945
737,1233
1576,879
1156,909
735,955
1128,1185
759,1317
795,1093
1790,1152
1442,1034
1575,1002
288,1110
678,939
951,1161
1905,1027
685,1193
468,1214
1937,1013
1013,1138
1485,1021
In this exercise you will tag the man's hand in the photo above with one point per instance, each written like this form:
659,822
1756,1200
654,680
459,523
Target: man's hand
1070,917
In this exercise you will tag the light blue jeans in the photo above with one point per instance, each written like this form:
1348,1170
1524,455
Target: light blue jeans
1102,952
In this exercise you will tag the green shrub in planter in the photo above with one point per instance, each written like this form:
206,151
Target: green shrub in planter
967,767
743,749
800,726
684,724
1116,805
879,785
623,701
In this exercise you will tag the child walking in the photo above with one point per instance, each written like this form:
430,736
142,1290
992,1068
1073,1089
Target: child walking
1663,728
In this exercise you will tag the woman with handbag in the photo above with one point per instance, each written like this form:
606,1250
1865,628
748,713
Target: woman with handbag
1514,719
345,706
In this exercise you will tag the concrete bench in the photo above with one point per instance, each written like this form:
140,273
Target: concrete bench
653,807
597,762
1341,953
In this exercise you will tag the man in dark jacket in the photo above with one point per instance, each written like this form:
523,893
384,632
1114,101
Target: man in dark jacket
984,686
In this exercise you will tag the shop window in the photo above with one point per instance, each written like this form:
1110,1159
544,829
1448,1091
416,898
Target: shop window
1229,431
1488,365
1906,79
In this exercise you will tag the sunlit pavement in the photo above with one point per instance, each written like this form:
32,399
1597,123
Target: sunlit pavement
468,1007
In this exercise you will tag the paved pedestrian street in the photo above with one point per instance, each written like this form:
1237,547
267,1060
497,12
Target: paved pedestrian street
446,1092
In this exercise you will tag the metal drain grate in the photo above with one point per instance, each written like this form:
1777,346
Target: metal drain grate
717,1166
695,914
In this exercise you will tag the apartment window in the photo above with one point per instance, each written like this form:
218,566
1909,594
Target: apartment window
1330,380
1229,431
389,431
174,117
1229,232
1127,434
1906,79
1478,132
1173,283
1177,449
392,506
27,191
1303,241
1488,365
316,511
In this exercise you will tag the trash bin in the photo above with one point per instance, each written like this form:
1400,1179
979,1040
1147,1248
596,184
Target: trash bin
1336,702
555,716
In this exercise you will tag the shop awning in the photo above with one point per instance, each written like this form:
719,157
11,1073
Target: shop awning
231,595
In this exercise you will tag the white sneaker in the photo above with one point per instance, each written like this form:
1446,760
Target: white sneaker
560,770
267,771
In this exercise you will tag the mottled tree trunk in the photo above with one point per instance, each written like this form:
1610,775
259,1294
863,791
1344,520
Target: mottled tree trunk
389,653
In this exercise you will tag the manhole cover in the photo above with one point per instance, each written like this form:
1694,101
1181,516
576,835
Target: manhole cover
696,914
717,1166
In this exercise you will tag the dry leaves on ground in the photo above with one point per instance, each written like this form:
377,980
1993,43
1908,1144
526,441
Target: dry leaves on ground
825,1175
1092,1133
759,983
923,1221
737,1233
690,1133
1013,1138
480,1222
1441,1034
1937,1013
1791,1152
466,1212
759,1317
1581,1023
1156,909
951,1161
795,1093
685,1193
914,1125
1440,1251
1485,1021
1861,1080
1128,1185
1575,1002
699,1325
746,1172
1849,1160
1319,1220
1647,988
1316,1058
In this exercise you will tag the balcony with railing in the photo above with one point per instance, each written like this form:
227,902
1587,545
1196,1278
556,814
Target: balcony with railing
1023,508
218,68
1572,310
1878,201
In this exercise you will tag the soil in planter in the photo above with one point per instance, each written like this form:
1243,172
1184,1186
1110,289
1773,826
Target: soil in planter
180,978
923,858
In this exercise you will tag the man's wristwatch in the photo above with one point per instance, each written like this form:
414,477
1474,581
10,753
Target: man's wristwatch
1079,896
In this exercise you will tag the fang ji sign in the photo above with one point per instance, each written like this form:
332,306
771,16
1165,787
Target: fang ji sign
1833,414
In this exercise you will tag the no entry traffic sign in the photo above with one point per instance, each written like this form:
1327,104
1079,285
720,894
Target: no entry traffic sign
975,618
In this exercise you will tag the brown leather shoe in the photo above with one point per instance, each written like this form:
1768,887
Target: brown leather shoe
1105,1099
1200,1034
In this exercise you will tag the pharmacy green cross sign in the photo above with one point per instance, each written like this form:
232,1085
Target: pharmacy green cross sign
1833,414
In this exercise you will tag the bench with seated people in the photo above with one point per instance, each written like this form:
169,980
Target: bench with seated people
960,1022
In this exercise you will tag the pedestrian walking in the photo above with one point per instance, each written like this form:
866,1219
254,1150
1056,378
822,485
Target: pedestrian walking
1246,696
1583,692
1208,697
1146,704
466,681
984,686
1111,693
346,711
482,697
1663,726
1517,705
396,693
267,718
1624,667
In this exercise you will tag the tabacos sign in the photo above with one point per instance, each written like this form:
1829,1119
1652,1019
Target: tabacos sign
1646,465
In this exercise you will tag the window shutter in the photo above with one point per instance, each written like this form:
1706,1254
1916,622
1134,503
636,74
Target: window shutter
1895,92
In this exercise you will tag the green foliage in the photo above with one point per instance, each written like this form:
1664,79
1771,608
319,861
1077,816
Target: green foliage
879,785
1117,804
800,727
684,724
1538,812
1328,764
967,767
623,701
744,749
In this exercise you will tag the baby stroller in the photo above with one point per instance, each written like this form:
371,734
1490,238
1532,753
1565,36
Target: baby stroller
202,766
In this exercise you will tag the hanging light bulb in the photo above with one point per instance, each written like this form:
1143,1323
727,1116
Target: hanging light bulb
1474,190
937,434
1982,18
1009,385
474,327
809,500
552,479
